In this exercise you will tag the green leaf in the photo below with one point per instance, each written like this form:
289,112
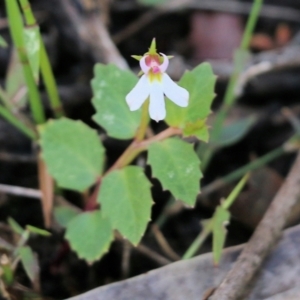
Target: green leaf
200,83
110,87
36,230
73,153
33,45
177,167
234,132
125,199
90,235
64,214
30,263
16,227
220,220
3,42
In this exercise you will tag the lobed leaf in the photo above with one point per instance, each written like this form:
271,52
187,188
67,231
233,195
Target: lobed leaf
200,83
177,167
73,153
90,235
125,199
110,87
64,214
220,220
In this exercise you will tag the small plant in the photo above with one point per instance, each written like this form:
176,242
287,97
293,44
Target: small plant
75,156
12,255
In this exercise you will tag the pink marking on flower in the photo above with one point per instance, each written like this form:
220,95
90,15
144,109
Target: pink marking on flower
152,62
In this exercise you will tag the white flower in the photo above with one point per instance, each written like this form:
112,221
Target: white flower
155,83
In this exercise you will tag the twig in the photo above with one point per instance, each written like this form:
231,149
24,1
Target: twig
17,158
153,255
20,191
91,30
163,243
126,259
145,250
265,236
268,61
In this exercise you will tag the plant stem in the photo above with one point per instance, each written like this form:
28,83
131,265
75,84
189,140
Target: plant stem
208,228
16,29
200,239
229,98
45,65
259,162
50,82
6,114
144,122
136,147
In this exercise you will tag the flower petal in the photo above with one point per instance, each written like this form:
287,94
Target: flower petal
143,65
157,108
174,92
163,67
138,95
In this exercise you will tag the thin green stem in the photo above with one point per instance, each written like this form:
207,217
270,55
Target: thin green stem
235,192
17,29
6,114
200,239
26,8
208,228
259,162
50,82
45,65
229,98
231,177
248,32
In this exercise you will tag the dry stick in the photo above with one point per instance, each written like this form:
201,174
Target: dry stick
93,32
153,255
20,191
265,236
126,259
163,243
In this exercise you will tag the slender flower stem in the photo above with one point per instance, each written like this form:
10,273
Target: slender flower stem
45,65
144,122
229,98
